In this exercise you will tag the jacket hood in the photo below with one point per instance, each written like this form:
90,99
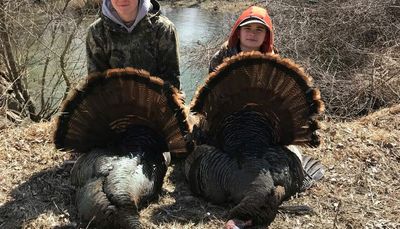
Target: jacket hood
261,14
145,6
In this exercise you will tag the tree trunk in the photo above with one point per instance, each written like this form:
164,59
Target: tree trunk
19,88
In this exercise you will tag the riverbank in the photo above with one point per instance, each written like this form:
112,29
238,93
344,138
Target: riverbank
214,5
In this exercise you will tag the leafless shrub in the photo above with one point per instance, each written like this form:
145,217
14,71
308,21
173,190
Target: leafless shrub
351,48
90,5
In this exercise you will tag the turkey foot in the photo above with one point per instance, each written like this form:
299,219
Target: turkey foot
237,224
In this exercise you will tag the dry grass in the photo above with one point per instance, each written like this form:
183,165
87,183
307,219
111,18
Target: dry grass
35,190
360,189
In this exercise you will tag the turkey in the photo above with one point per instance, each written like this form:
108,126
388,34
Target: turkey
248,113
125,124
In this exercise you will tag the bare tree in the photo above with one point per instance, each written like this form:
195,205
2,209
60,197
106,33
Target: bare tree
13,70
41,52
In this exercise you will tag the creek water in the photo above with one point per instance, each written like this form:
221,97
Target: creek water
199,33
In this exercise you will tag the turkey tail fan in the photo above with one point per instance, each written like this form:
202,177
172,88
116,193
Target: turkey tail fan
274,86
106,104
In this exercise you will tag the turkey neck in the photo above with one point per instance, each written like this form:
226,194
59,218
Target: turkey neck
245,133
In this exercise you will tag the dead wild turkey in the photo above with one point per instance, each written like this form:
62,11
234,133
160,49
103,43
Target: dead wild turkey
247,113
124,122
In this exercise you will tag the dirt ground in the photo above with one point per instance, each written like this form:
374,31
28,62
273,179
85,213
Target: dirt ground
360,188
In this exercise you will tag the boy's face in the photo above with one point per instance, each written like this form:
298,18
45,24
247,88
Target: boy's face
252,36
126,9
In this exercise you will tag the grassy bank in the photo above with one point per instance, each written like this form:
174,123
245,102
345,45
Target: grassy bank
360,189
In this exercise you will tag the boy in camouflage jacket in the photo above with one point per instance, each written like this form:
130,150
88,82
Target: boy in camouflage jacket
132,33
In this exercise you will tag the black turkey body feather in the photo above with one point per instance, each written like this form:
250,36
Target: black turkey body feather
125,123
248,112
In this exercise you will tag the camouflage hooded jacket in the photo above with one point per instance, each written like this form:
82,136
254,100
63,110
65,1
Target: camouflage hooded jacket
152,45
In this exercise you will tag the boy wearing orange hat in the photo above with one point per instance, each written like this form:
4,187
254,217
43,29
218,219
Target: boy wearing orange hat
252,31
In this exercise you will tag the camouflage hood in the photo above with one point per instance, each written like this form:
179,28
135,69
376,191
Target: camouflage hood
145,6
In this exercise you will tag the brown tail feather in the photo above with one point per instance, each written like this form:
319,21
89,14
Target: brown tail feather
267,83
107,103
